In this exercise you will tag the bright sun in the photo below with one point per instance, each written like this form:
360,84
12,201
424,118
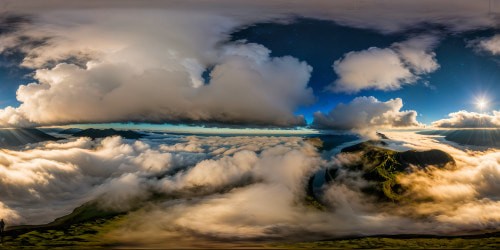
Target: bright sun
481,104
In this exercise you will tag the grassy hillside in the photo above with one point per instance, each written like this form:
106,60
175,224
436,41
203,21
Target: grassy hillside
486,241
87,212
82,227
92,235
83,235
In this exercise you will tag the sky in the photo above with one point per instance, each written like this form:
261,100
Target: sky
328,65
463,75
233,68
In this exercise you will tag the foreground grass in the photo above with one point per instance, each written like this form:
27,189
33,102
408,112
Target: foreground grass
90,235
82,235
393,243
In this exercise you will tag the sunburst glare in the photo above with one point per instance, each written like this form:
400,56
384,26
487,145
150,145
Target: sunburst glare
481,103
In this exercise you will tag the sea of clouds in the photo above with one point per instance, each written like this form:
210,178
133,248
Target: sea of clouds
242,188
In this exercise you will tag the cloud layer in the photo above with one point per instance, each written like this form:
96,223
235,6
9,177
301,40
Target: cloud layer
241,188
465,119
366,114
40,184
381,15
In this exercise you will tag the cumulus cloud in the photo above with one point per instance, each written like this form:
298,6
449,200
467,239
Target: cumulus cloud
149,69
370,69
417,55
366,114
466,119
385,69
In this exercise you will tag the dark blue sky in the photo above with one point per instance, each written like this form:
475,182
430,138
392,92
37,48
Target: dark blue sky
463,74
11,76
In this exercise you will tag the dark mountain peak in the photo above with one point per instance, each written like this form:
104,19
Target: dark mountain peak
70,131
373,148
434,157
382,136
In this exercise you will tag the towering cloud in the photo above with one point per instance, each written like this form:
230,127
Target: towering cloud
365,114
465,119
385,69
150,68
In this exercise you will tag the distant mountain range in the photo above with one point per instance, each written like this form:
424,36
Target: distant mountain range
473,137
10,138
70,131
101,133
22,136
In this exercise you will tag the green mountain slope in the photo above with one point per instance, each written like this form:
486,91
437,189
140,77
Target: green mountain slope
382,166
